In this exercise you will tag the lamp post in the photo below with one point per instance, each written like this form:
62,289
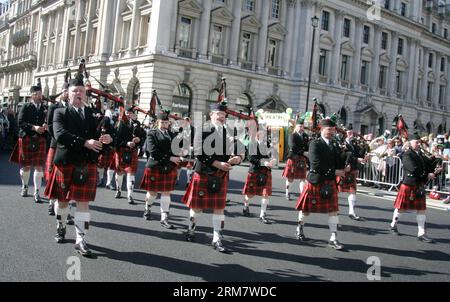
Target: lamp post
315,24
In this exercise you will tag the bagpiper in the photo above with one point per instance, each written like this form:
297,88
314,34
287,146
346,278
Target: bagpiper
74,176
128,139
320,194
161,170
209,185
31,149
418,170
353,157
106,158
297,164
259,178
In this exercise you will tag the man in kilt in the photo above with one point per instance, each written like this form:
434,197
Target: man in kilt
353,157
161,170
259,178
209,184
74,176
187,134
52,150
106,158
320,194
297,164
128,139
418,170
30,150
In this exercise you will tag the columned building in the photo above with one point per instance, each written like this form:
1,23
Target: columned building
370,63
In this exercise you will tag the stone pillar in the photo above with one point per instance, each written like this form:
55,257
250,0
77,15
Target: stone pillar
375,72
235,32
411,71
336,54
288,59
356,73
393,65
105,31
134,28
305,39
205,27
437,81
262,38
426,53
161,16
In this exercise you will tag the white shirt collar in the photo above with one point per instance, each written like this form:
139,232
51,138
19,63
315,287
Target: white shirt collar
326,140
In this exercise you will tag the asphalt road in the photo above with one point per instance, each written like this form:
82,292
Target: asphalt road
128,248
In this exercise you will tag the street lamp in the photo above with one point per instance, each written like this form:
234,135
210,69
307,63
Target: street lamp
315,24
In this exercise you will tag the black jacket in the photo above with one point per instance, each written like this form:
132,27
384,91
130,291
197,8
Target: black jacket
324,161
29,116
71,132
159,147
298,143
255,160
416,168
50,115
352,154
126,132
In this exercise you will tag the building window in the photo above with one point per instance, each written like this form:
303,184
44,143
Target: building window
143,30
366,35
442,64
276,9
217,38
246,47
445,33
387,4
347,23
344,67
325,20
185,32
382,79
384,39
125,35
400,46
430,60
249,5
322,62
433,28
272,53
403,9
441,94
398,82
430,91
364,71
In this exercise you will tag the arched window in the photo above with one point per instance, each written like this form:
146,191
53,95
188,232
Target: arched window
440,129
182,100
343,116
244,103
381,125
136,94
429,128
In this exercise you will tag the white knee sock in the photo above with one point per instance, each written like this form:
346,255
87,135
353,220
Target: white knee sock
302,186
264,203
82,220
396,217
165,206
333,221
247,201
288,184
301,220
218,224
130,184
37,179
109,176
421,224
101,173
149,200
61,214
193,216
351,204
25,177
119,181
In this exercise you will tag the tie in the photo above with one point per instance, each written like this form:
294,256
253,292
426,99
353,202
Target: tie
80,112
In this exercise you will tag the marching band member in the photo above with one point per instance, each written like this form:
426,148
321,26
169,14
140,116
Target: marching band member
161,169
30,151
106,158
259,178
418,169
74,175
187,133
297,164
320,194
209,185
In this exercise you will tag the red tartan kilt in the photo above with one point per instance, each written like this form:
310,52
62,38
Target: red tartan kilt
106,159
292,171
198,197
347,187
310,200
62,188
407,199
252,188
26,158
121,167
49,164
155,181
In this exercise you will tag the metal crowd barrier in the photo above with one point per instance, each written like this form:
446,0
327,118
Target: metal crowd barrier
389,173
441,180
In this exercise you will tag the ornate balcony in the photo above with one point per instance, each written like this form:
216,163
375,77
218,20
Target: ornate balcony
20,38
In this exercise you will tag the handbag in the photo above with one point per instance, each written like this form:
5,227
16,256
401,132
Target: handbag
126,157
325,192
348,179
214,184
164,169
34,144
261,179
420,193
301,164
80,175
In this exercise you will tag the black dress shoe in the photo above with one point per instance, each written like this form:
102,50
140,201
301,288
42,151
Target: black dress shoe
131,201
394,231
83,249
118,195
148,215
426,239
51,210
37,198
218,246
110,187
24,192
246,211
356,217
288,196
264,220
69,220
335,245
165,224
60,234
